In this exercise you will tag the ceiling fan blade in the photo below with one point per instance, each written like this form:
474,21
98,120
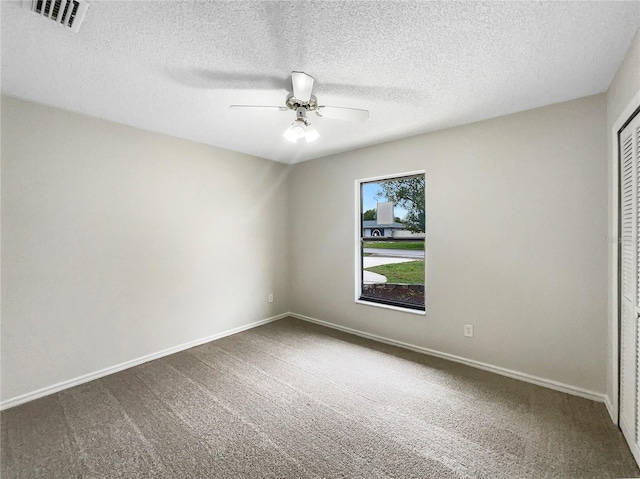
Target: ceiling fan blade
258,107
302,86
339,113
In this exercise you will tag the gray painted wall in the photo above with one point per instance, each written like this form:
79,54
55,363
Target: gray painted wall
118,243
516,228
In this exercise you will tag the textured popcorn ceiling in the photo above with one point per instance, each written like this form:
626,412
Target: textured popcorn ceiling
175,67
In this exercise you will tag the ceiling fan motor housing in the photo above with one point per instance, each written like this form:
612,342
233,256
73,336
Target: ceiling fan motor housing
293,103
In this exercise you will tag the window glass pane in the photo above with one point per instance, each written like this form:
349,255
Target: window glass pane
393,241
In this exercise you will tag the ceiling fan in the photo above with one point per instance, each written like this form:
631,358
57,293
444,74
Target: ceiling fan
303,102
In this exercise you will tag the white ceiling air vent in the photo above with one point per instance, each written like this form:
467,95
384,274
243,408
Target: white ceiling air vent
68,13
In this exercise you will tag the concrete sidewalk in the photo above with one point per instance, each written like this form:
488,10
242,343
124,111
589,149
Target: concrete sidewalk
396,253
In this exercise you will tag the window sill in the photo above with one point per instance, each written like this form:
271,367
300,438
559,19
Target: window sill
389,306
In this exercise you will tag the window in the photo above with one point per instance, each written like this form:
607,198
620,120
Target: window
391,241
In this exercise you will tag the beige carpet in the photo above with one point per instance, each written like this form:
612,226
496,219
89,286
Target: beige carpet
295,400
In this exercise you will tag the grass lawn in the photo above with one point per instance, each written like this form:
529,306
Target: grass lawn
395,244
411,272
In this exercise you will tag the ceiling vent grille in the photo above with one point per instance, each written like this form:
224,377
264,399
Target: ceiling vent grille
68,13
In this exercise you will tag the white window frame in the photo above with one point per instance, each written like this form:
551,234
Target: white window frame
358,249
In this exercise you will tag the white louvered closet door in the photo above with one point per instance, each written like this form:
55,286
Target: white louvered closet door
630,284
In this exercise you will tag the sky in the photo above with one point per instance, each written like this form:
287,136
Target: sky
369,202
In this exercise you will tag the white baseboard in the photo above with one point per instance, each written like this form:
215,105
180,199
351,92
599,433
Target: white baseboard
548,383
612,412
54,388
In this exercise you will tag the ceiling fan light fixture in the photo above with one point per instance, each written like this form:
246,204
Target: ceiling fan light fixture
312,134
297,130
290,135
301,128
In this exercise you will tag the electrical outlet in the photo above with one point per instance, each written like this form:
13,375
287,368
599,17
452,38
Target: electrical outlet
468,330
271,298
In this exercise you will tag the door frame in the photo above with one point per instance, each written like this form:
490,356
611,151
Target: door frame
627,115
